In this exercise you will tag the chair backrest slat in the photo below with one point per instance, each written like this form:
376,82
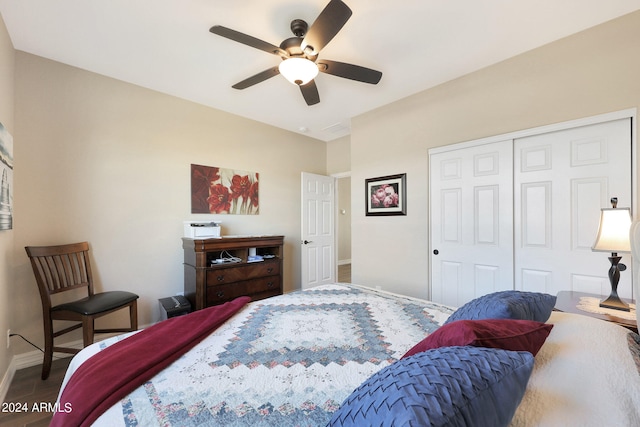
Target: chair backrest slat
61,268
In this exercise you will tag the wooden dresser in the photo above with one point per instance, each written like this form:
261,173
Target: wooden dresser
208,281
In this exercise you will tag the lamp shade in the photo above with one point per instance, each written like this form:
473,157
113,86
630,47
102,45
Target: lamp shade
298,71
613,232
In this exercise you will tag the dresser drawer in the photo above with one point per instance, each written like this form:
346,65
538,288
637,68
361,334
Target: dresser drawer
217,294
224,275
263,284
222,293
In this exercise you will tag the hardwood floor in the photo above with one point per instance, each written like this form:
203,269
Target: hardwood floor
344,273
27,390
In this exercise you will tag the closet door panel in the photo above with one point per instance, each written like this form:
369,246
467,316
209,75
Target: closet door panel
561,180
535,280
535,223
471,227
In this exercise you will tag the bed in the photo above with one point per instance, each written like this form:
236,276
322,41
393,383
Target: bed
342,354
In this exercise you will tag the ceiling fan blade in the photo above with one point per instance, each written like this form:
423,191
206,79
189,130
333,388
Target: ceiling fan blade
260,77
326,26
310,93
350,71
247,40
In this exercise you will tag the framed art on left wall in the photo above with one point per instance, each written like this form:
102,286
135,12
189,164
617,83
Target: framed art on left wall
6,168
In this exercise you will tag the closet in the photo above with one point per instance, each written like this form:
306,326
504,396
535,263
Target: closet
521,211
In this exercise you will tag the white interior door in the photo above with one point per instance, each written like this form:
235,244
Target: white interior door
471,199
562,179
318,240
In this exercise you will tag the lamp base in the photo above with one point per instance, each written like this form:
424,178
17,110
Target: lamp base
614,302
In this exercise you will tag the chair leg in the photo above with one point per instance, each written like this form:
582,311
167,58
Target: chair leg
87,330
133,315
48,346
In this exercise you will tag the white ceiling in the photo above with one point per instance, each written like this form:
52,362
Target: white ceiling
166,46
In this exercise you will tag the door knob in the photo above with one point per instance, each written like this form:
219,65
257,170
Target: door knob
306,242
436,252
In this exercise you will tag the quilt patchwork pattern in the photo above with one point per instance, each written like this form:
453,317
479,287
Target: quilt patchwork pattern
323,333
286,361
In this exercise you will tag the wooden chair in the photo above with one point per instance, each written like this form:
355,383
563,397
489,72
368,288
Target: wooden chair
65,268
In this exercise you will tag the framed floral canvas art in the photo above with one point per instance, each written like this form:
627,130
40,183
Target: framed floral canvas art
217,190
386,195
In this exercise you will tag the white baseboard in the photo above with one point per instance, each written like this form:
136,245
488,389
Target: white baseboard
6,380
34,358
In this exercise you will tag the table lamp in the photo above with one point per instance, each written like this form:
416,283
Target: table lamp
613,236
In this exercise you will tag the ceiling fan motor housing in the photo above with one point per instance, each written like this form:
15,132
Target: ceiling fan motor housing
292,45
299,27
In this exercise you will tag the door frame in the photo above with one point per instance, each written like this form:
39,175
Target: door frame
585,121
336,231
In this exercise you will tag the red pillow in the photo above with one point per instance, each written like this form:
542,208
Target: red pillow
506,334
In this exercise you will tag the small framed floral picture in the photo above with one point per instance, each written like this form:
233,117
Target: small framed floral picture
386,195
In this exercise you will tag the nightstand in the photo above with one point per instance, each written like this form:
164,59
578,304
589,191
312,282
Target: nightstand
568,302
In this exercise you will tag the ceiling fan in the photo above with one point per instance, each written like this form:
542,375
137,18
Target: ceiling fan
300,63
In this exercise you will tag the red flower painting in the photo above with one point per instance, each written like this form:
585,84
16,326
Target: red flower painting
223,191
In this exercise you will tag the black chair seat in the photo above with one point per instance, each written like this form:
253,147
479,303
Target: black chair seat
98,303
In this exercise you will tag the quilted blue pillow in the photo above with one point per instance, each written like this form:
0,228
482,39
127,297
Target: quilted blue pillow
448,386
518,305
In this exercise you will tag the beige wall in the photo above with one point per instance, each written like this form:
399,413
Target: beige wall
109,162
339,155
7,58
596,71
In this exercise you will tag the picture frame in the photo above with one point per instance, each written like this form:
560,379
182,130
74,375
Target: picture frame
217,190
386,195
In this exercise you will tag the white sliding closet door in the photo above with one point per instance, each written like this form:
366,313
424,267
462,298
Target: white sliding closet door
523,213
561,181
471,226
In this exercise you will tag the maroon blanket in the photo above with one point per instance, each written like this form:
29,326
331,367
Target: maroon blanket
116,371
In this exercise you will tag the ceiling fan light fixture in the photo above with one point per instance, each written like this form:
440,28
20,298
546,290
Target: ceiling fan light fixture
298,71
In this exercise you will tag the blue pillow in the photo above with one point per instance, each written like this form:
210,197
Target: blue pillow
448,386
518,305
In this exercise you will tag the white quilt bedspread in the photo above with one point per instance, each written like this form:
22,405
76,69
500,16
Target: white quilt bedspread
284,361
584,375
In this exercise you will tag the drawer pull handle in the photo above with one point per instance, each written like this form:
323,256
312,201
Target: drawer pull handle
220,294
270,270
270,285
220,278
